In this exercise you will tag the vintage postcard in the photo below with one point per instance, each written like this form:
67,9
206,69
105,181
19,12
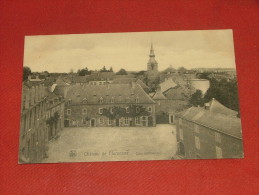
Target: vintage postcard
130,96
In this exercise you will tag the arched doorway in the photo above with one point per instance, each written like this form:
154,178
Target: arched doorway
92,123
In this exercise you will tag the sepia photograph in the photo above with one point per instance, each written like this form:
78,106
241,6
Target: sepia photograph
165,95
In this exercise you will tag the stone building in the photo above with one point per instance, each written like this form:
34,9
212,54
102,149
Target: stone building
208,132
32,123
109,105
54,114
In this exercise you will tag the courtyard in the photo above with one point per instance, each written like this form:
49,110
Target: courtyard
113,144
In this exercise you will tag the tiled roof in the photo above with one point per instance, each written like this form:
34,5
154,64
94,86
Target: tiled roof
215,120
122,93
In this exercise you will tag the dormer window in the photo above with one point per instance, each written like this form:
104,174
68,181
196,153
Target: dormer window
149,109
101,100
111,110
69,102
84,101
137,100
127,109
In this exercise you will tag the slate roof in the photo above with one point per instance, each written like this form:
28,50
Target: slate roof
80,79
222,122
159,95
122,93
129,81
215,106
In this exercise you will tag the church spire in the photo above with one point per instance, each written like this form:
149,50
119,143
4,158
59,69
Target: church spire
152,53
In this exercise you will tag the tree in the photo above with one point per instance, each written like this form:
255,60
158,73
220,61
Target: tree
122,72
182,70
225,92
103,69
111,70
26,73
197,99
83,72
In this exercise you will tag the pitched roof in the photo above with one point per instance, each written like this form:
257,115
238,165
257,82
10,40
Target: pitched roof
100,76
129,81
122,93
80,79
159,95
215,106
221,122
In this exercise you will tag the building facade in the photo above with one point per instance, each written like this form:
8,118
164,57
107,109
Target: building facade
54,115
32,124
109,105
209,132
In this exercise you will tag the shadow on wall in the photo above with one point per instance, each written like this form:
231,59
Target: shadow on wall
162,118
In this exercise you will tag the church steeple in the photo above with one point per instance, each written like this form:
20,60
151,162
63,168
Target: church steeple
152,53
152,63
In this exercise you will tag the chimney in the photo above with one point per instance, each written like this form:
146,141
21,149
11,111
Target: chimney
206,106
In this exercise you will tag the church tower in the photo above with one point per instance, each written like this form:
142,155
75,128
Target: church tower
152,63
152,69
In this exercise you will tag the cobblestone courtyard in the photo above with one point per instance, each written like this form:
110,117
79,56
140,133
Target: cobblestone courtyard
113,144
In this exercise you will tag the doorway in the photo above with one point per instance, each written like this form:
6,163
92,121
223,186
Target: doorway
92,122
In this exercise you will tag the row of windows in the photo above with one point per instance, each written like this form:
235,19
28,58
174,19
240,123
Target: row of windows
101,100
197,141
125,120
84,110
196,130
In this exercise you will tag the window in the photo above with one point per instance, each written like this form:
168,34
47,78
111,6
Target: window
218,152
69,102
112,100
137,120
84,111
101,100
137,110
126,120
197,142
109,121
94,83
143,118
181,133
127,109
68,111
196,128
84,101
137,100
111,110
149,109
100,110
217,137
101,120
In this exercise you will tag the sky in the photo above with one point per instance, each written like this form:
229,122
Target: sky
190,49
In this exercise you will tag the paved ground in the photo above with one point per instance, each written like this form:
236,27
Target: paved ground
113,144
